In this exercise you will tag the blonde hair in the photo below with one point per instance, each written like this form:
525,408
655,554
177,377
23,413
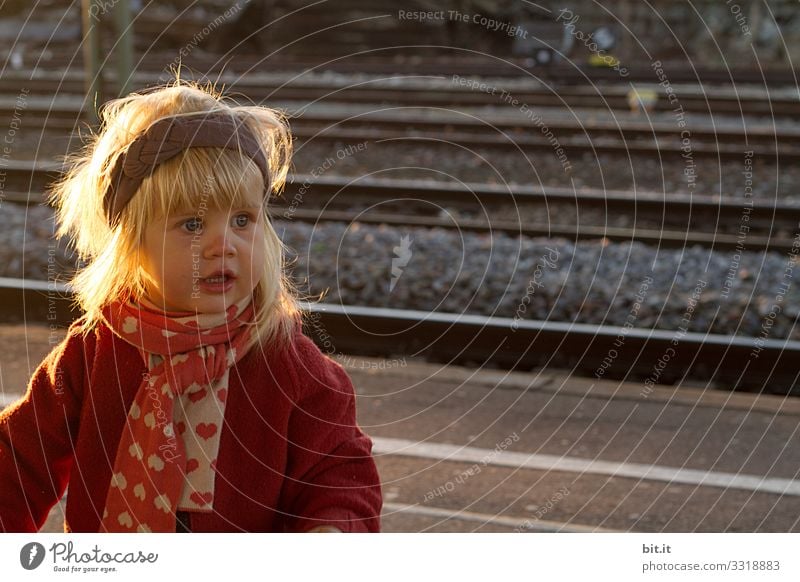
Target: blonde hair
113,267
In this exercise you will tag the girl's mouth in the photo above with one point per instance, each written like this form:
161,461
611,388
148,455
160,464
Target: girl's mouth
217,283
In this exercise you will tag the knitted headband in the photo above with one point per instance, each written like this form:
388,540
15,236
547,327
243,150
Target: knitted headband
168,137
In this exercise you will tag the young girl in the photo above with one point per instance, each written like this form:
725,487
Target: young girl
186,398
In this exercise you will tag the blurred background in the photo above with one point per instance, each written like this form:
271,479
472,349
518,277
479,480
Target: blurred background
535,228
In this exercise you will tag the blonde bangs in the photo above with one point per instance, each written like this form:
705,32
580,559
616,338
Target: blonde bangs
198,178
216,177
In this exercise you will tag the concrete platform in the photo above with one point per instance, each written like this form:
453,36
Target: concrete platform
682,459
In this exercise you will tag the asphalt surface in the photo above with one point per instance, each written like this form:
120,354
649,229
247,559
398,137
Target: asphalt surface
501,416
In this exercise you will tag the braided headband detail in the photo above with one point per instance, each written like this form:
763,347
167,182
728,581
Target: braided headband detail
168,137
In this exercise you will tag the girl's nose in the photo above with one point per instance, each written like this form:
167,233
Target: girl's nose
219,244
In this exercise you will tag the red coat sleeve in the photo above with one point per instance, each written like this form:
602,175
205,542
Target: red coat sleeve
36,439
331,477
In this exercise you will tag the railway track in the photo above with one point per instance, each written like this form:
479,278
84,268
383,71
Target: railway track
630,132
674,222
730,362
397,61
572,138
458,92
528,140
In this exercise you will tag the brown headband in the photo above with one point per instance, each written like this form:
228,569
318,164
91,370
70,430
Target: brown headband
168,137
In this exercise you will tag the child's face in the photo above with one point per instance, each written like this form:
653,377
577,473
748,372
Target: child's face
204,261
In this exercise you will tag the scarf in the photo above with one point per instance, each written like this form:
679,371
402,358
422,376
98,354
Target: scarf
166,459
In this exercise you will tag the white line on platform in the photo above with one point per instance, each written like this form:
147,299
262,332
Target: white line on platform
512,522
536,461
448,452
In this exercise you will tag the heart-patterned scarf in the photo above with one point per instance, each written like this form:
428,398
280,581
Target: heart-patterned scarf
166,459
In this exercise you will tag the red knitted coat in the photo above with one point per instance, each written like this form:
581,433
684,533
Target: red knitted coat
291,455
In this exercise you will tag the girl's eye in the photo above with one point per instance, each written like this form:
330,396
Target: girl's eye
241,220
193,225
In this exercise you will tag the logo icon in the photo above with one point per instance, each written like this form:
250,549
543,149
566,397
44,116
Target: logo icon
402,256
31,555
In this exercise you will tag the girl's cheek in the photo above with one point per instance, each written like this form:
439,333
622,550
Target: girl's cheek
253,238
